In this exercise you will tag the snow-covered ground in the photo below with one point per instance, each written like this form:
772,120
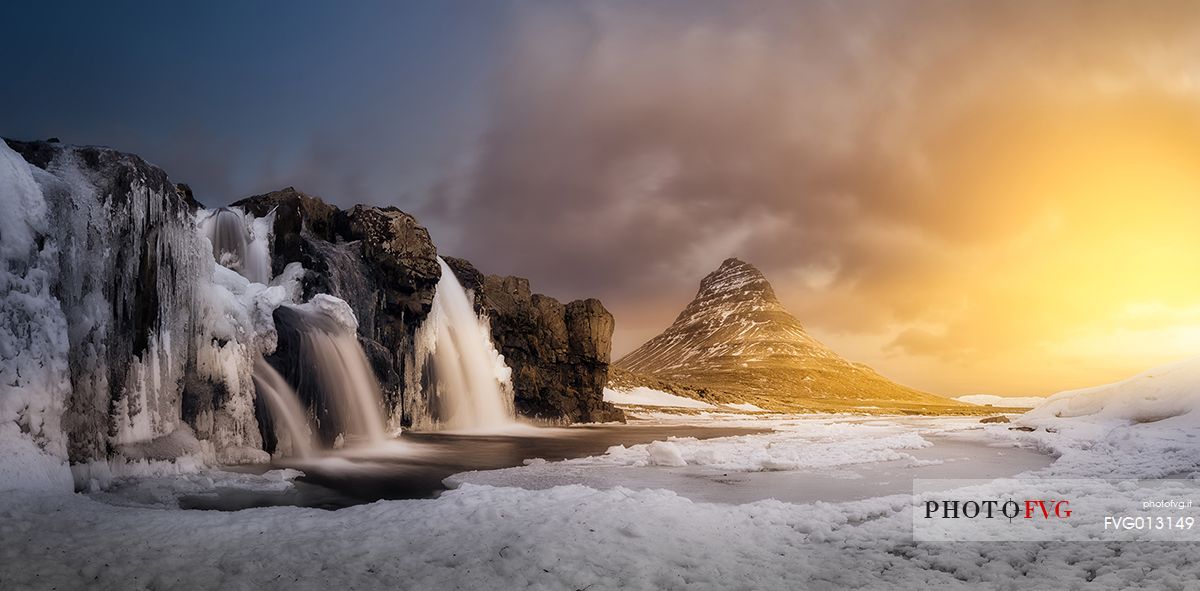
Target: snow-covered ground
631,536
578,537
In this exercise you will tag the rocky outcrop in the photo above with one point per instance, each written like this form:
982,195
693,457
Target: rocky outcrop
559,354
382,262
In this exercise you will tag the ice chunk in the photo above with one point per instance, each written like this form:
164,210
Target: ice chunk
665,453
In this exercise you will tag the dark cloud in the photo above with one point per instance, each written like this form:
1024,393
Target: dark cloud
839,146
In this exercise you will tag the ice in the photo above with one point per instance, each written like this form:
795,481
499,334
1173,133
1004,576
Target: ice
234,327
665,453
34,342
334,308
643,396
119,254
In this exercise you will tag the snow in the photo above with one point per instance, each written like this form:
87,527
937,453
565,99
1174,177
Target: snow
665,453
578,537
1009,401
1158,394
570,537
746,406
334,308
26,467
794,445
643,396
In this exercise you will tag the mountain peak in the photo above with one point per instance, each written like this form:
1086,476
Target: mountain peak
736,337
735,278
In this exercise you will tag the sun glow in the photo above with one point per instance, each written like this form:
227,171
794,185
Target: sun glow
1084,256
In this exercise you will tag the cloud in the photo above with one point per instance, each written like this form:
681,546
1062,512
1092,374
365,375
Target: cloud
873,158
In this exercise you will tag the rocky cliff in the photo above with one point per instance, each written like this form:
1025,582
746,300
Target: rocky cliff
120,335
559,353
383,263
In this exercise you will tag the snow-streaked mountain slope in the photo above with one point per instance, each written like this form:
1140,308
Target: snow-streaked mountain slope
735,339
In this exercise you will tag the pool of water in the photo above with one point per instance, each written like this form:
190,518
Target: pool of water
415,465
947,458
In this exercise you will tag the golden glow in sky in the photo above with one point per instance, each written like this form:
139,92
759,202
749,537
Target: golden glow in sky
1080,259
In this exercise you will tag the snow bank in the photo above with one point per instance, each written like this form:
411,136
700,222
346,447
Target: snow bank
1161,393
1010,401
1143,426
643,396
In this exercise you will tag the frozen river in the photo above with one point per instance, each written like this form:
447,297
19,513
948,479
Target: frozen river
725,460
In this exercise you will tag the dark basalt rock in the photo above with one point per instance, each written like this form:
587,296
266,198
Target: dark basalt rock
380,260
383,263
400,253
296,215
559,354
470,277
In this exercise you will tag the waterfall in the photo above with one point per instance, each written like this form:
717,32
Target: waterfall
318,343
245,250
287,415
471,385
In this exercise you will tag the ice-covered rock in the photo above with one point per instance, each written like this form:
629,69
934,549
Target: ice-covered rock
113,296
34,347
127,263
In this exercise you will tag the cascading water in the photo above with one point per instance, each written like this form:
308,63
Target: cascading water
237,247
471,386
315,344
317,341
286,413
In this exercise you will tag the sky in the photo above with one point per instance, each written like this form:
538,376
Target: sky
970,197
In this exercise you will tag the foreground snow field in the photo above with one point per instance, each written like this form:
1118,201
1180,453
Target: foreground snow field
576,537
